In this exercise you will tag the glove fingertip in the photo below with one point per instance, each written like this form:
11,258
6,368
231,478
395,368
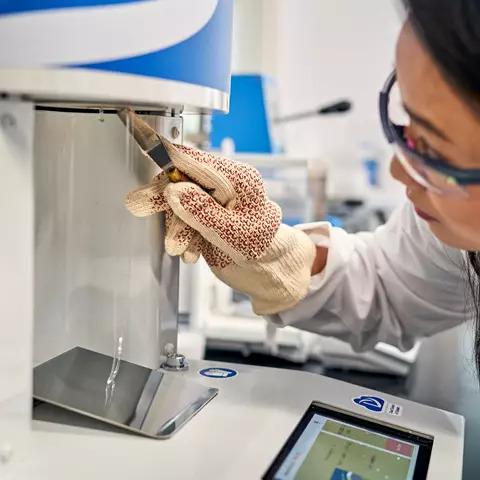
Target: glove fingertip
178,236
190,258
139,205
147,200
173,248
140,212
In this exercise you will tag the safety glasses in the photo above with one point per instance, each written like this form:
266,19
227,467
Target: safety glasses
432,173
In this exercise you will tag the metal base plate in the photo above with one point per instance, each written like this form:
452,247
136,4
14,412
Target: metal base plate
149,402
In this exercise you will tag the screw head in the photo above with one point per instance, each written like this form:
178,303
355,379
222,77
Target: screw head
175,363
7,120
169,349
175,132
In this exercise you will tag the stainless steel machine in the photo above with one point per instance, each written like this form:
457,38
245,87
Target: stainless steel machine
89,283
103,283
88,298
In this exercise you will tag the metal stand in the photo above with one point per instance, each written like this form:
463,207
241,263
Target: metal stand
150,402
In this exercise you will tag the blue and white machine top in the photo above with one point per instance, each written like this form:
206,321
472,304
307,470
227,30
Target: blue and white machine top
141,51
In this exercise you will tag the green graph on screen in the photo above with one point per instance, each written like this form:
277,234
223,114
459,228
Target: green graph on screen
340,448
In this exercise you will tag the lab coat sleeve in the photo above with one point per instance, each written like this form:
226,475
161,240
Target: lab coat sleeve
393,285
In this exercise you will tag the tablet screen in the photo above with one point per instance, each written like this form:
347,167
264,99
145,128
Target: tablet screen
333,445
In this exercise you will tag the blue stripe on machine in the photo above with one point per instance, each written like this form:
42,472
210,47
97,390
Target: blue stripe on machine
203,59
21,6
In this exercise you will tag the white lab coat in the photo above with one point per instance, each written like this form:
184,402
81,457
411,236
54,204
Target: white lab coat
393,285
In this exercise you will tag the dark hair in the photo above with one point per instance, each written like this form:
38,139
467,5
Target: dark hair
474,280
450,30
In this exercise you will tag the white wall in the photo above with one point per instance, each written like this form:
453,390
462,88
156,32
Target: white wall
319,51
328,50
254,36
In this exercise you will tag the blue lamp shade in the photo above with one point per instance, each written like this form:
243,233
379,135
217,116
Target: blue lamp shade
249,123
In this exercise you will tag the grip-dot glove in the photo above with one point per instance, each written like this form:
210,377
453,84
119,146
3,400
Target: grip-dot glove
224,215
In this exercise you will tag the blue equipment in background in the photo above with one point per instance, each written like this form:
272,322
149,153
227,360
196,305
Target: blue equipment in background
249,123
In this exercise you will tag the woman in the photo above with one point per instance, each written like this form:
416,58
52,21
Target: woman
405,280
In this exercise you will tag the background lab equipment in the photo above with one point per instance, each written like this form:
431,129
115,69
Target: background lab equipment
221,319
95,290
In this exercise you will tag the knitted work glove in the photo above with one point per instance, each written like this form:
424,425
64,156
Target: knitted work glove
234,226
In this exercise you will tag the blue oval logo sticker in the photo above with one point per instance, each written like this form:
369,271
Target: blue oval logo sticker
373,404
215,372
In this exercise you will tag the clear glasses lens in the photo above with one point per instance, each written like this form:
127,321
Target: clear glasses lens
429,178
424,175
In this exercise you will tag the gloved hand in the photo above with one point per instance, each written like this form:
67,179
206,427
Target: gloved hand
234,226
